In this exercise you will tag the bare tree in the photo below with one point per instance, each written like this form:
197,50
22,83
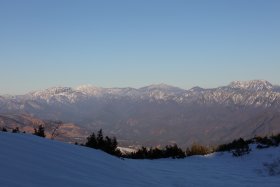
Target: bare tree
55,129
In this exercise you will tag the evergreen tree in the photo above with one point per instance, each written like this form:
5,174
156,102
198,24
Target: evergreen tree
15,130
91,141
99,139
174,152
241,148
237,147
156,153
40,131
108,145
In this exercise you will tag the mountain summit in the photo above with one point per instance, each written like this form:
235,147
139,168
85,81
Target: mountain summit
254,85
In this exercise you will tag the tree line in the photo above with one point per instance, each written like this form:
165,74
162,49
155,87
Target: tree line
40,131
109,145
237,147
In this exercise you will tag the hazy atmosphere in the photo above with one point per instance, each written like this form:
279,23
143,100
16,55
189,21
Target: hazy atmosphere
137,43
139,93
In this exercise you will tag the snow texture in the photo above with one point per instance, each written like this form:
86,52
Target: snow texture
27,160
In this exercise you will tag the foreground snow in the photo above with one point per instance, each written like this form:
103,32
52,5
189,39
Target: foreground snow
27,160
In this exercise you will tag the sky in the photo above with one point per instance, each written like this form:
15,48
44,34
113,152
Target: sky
132,43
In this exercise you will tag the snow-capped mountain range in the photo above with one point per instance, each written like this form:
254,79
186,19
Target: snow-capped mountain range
256,93
163,112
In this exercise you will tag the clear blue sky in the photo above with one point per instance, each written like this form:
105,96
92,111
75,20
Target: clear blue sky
135,43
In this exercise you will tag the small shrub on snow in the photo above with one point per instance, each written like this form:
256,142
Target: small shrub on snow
197,149
40,131
15,130
237,147
273,168
171,151
265,141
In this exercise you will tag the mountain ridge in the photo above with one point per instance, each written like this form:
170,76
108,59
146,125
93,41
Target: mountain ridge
251,84
156,91
159,114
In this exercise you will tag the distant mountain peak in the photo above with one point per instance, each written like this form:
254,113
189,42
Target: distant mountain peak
161,86
196,89
254,85
86,86
54,91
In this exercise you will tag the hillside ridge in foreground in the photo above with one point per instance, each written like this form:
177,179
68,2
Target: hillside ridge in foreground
27,160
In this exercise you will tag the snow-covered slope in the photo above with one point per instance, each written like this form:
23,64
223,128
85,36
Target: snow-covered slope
26,161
